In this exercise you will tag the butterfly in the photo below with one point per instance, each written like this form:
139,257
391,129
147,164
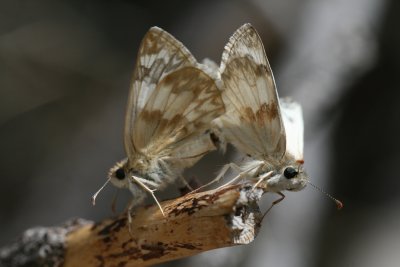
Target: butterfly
171,103
268,130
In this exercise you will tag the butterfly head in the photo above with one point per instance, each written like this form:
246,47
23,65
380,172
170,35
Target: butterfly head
290,177
118,175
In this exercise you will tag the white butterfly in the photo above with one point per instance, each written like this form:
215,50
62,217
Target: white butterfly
268,131
172,101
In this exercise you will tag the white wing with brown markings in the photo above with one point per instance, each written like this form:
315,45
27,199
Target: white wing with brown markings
159,54
172,99
252,122
182,105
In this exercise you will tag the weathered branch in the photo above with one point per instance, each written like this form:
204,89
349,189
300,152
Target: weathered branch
194,223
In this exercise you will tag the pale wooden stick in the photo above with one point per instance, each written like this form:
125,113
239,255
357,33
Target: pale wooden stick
194,223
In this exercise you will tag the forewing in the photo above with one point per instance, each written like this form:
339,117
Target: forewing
180,108
252,121
294,126
159,54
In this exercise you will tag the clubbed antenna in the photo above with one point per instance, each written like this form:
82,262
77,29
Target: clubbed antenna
339,203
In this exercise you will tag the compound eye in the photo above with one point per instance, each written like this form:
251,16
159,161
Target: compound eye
290,172
120,173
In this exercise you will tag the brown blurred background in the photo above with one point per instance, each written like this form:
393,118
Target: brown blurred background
64,76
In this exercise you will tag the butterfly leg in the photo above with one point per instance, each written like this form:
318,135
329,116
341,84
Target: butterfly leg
185,183
141,181
242,173
114,203
274,203
219,176
262,178
131,205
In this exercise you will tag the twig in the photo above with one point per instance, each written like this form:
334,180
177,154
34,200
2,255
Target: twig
194,223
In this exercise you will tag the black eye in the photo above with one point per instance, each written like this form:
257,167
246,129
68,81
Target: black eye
120,173
290,172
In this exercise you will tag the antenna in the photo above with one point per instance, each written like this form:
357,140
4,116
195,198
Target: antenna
339,203
98,191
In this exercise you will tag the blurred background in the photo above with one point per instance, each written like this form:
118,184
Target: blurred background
65,70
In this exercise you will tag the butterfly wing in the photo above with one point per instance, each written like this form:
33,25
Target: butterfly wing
292,116
182,106
252,122
174,99
159,54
